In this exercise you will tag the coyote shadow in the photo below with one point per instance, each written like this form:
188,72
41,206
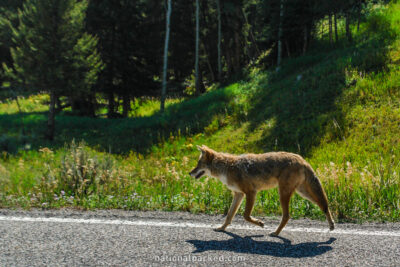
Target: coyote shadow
277,249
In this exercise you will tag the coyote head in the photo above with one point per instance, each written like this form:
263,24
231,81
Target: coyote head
204,163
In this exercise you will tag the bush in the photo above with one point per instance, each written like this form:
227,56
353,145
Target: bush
81,174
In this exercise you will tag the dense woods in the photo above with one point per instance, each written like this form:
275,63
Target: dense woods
85,54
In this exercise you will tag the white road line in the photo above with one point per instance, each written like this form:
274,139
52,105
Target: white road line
195,225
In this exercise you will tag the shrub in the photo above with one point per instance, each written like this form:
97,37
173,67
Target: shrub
82,174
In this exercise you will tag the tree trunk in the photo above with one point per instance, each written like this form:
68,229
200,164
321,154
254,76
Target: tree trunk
196,65
111,104
205,42
110,94
279,58
336,31
201,84
348,32
126,105
238,48
51,116
253,39
305,39
228,58
165,67
22,116
330,29
210,69
59,106
287,48
219,41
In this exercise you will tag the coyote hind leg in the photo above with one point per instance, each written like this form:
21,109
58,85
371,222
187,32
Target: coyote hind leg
285,193
250,200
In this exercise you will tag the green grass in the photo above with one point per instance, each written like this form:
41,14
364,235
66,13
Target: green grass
339,108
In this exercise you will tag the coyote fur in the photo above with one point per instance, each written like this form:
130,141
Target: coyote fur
249,173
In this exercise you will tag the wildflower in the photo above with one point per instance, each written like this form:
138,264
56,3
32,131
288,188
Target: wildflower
46,150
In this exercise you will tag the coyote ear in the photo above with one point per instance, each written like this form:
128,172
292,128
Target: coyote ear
200,149
205,147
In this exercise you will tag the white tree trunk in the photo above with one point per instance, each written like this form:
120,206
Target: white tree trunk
279,59
330,29
196,65
219,41
165,67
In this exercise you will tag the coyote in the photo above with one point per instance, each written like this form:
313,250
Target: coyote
249,173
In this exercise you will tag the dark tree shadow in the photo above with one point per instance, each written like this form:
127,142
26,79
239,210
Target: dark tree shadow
298,105
263,247
119,135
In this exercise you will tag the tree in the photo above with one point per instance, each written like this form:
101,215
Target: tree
51,52
124,29
219,40
165,68
197,81
280,29
8,16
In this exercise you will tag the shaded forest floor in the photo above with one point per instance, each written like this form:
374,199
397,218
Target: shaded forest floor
336,106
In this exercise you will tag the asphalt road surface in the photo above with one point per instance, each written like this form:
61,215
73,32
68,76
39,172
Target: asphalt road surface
129,238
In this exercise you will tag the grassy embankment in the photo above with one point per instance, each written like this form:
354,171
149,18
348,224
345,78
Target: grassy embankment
336,106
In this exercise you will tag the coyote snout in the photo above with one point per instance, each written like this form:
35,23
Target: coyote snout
247,174
196,173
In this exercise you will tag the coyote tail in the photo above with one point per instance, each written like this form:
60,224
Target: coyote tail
319,196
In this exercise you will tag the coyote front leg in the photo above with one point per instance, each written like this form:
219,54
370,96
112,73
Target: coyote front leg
237,199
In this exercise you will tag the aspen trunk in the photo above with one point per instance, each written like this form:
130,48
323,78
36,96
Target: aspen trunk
196,65
219,41
336,31
279,59
330,29
165,67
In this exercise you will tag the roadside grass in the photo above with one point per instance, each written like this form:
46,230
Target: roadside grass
339,109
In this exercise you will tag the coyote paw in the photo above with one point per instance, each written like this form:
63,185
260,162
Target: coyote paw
332,227
261,224
219,229
273,234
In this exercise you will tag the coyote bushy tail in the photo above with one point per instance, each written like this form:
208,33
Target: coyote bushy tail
318,196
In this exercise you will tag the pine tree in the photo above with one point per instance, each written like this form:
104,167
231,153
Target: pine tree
51,52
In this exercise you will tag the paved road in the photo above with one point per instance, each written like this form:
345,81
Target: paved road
75,238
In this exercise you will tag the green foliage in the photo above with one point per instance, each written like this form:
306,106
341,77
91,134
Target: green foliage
51,51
